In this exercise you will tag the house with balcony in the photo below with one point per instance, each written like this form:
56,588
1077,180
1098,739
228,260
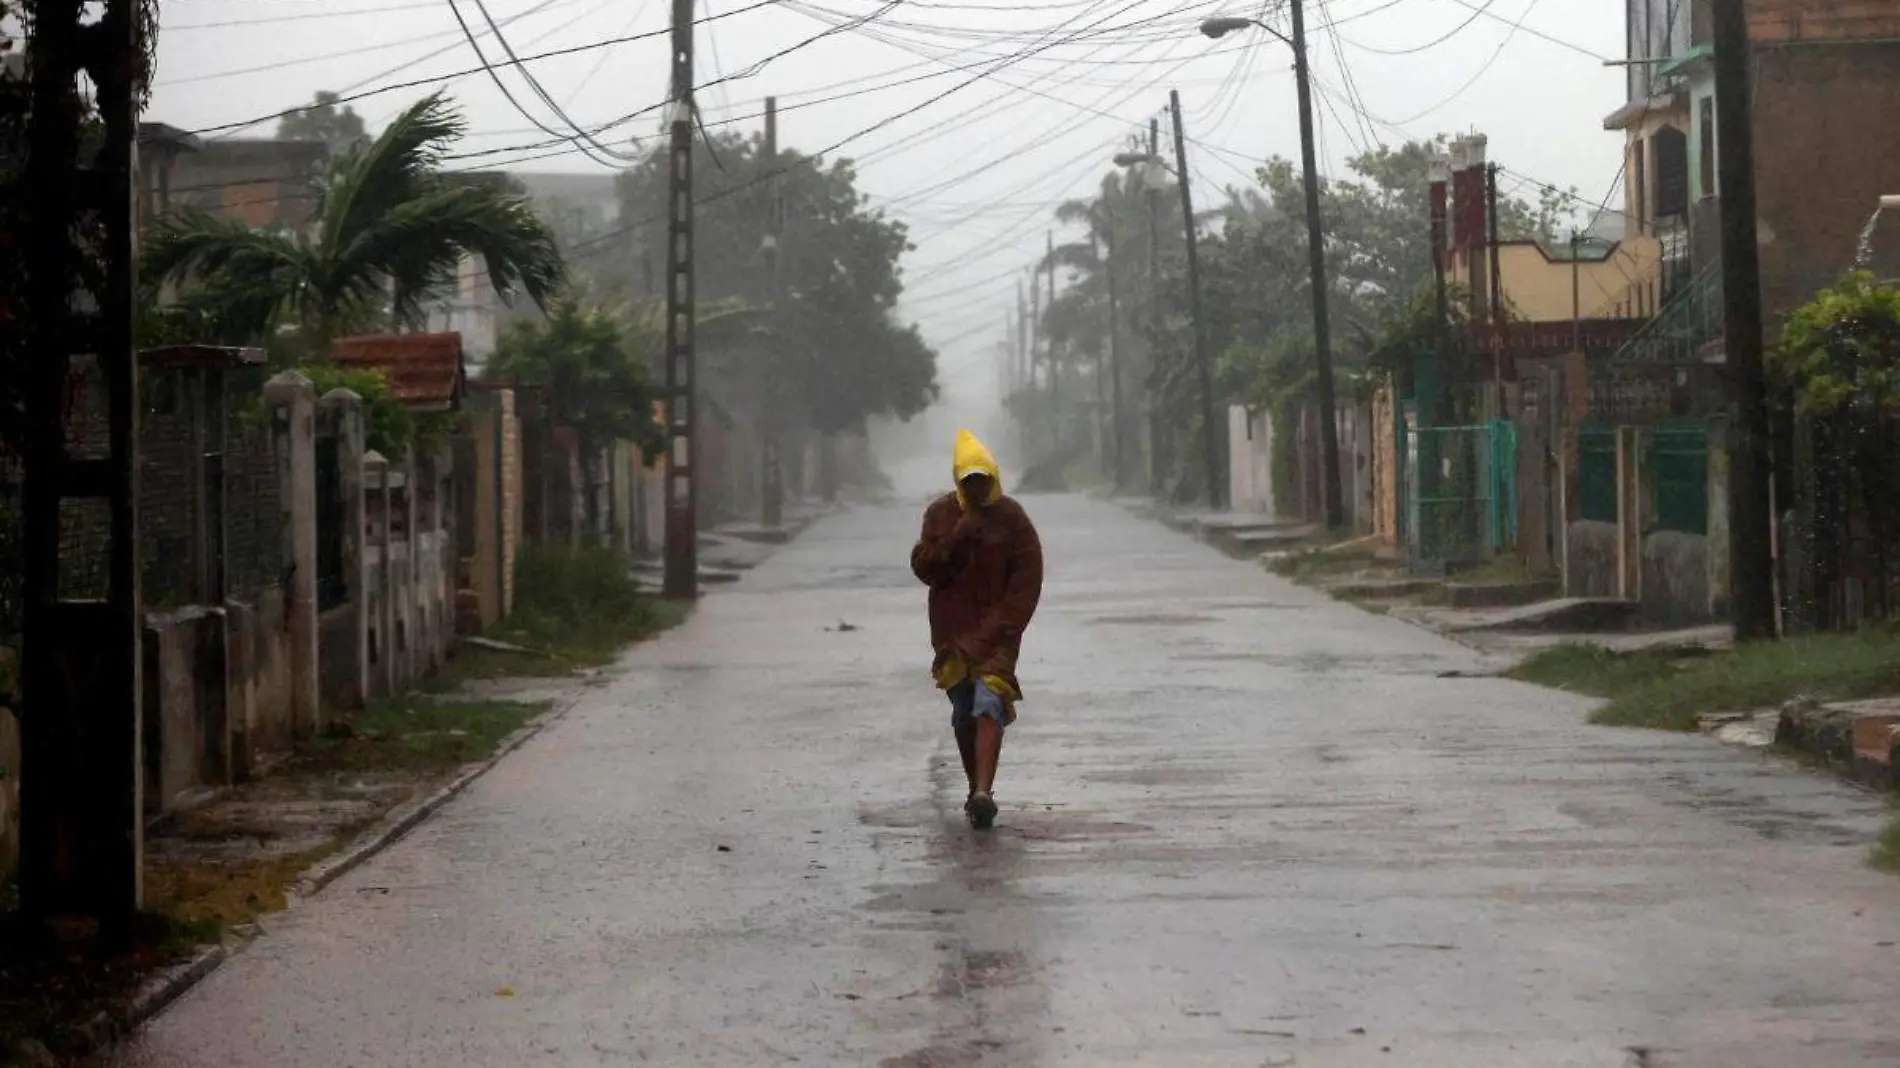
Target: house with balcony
1647,518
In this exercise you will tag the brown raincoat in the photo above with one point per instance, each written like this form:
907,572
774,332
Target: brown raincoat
984,582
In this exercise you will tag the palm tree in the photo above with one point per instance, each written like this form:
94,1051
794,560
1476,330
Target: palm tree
390,229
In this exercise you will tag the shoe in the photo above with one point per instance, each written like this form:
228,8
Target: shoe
982,810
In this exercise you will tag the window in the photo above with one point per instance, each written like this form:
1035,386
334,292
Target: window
1706,163
1672,172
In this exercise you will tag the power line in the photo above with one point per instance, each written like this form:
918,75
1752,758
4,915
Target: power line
1476,12
441,78
359,50
495,76
1481,71
272,19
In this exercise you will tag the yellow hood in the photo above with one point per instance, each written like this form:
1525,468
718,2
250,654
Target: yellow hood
972,458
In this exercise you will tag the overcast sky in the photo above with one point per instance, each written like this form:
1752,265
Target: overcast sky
976,173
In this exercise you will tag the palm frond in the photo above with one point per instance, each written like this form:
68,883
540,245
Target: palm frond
242,279
418,245
401,163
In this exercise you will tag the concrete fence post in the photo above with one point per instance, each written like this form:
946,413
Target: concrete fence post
292,401
343,411
379,606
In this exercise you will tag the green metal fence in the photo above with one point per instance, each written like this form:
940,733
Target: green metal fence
1460,492
1678,462
1596,472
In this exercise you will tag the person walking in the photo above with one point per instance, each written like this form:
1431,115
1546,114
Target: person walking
982,560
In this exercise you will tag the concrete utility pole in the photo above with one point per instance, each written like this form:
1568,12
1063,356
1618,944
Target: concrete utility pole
1751,563
1209,441
1116,433
772,490
681,580
82,823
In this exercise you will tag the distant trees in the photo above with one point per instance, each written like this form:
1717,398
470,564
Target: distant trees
1255,281
832,346
340,128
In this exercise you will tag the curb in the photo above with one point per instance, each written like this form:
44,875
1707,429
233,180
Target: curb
404,818
159,992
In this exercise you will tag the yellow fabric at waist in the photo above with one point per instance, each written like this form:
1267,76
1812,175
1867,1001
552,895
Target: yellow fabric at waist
954,671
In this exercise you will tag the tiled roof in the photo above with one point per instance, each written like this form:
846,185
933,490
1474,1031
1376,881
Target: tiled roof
424,370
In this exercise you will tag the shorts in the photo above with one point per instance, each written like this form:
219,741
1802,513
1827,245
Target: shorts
970,700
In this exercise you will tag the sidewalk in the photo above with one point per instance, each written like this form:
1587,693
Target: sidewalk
220,867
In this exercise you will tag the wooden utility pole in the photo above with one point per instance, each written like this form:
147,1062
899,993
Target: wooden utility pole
1157,428
1055,364
1210,442
1751,563
1316,262
1116,433
1497,289
681,579
772,491
82,824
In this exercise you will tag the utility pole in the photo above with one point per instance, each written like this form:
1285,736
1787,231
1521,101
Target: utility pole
1751,562
1055,365
1209,442
772,493
1157,430
82,825
1497,290
1023,341
1316,256
681,580
1114,353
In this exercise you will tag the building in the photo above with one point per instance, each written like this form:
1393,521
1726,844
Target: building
262,182
1823,71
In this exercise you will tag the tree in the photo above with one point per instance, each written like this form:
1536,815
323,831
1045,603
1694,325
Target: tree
342,129
592,363
391,229
1256,289
834,343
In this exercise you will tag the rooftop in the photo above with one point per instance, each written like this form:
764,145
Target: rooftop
425,371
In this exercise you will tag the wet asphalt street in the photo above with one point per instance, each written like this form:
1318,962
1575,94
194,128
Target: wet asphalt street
1242,825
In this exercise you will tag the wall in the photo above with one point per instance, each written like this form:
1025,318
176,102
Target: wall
1820,165
1250,461
1538,285
261,183
1590,558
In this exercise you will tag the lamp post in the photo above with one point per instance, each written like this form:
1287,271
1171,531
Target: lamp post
1316,250
1209,444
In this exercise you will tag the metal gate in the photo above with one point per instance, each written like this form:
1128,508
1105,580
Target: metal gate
1461,492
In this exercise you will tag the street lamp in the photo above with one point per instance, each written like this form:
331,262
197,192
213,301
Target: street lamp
1210,443
1316,249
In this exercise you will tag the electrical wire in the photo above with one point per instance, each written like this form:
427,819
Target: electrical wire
494,75
1482,70
359,50
274,19
351,97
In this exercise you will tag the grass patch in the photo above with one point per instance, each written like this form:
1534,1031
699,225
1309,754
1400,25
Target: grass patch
53,980
575,608
1497,570
1886,853
416,734
1324,561
1670,689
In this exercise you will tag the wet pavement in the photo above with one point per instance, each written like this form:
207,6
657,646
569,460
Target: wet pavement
1242,825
